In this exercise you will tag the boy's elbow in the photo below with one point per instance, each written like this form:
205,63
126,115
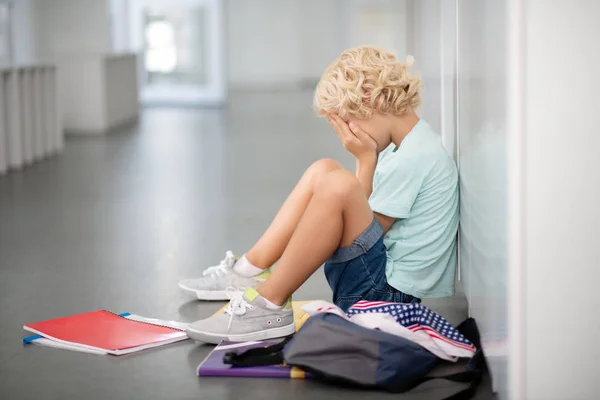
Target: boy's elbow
385,221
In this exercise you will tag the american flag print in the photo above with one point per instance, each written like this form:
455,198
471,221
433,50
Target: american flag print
430,329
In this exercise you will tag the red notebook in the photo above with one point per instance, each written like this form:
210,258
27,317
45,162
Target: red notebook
106,332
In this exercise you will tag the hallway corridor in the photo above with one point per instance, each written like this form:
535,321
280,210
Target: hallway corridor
115,221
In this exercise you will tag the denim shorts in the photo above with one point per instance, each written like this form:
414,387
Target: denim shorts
357,272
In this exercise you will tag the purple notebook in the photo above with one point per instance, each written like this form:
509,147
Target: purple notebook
213,364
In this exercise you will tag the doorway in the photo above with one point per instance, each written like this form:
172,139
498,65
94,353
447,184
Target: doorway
180,45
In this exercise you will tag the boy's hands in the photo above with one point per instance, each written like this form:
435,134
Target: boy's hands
355,140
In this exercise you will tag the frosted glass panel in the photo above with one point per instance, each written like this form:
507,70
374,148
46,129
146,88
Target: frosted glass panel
483,173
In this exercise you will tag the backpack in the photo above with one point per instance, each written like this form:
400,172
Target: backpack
335,350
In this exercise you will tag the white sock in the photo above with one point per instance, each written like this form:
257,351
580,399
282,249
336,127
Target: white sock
245,268
271,305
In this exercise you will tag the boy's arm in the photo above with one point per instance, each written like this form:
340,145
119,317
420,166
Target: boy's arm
365,169
362,146
385,221
364,149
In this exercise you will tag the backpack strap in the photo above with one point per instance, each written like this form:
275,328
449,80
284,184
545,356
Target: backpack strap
469,330
260,356
471,375
473,372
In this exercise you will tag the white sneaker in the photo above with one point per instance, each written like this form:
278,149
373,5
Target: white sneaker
217,280
247,318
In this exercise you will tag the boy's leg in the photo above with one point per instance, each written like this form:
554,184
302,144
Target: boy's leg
216,281
273,242
336,215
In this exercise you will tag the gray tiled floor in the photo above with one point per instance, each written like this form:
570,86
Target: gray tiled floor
114,222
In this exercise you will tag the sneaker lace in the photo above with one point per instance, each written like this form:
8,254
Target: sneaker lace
224,267
237,305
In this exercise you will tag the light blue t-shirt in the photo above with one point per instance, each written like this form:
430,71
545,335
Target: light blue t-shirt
418,185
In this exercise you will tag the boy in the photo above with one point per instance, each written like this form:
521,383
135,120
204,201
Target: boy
385,233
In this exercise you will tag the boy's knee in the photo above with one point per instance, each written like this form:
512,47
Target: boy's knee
324,166
320,168
338,185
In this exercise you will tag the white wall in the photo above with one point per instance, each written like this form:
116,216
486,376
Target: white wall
119,25
426,48
431,39
97,91
24,31
73,26
45,28
319,41
380,23
562,217
275,43
263,37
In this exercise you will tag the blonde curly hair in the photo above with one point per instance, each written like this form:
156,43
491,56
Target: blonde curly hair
364,80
